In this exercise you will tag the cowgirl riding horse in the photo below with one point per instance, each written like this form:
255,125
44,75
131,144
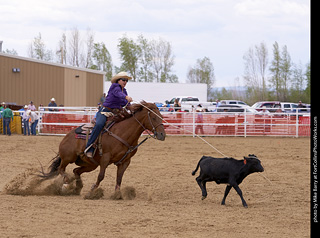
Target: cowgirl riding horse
116,99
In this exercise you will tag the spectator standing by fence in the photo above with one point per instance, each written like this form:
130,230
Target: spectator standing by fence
25,121
177,105
52,104
31,106
199,120
34,121
1,109
7,117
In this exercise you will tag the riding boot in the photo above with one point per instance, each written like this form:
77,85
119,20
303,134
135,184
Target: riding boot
89,152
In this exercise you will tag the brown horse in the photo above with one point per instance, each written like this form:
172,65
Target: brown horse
123,136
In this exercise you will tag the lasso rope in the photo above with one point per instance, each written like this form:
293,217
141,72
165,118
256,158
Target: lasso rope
182,129
196,136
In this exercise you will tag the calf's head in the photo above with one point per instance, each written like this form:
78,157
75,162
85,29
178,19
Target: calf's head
254,163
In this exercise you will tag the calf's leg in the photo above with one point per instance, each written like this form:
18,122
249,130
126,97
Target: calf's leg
228,188
202,185
236,187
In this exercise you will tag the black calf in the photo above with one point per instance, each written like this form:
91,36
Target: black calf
228,171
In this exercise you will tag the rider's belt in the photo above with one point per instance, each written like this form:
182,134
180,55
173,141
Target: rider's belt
110,109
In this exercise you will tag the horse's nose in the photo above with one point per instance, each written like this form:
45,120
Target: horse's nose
161,136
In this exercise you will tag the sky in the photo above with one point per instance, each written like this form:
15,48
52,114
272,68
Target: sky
222,30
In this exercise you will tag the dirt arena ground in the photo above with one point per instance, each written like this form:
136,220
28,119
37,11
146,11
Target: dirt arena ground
168,200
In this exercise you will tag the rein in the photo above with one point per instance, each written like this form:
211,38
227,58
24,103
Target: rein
154,136
182,129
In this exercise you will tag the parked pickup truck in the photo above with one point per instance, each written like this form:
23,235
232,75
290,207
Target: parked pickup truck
187,102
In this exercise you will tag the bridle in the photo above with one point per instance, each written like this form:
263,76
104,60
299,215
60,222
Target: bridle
154,136
132,148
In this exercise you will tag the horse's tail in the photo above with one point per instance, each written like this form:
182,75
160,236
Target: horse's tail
53,169
194,172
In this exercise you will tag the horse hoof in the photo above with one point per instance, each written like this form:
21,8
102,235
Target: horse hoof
93,187
95,194
203,197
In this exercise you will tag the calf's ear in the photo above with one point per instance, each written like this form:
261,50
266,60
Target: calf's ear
244,160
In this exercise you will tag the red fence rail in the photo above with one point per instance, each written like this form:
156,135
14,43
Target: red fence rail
191,123
237,124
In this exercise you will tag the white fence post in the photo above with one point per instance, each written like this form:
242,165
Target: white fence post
245,123
193,122
297,123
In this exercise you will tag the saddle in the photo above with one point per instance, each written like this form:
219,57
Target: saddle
83,131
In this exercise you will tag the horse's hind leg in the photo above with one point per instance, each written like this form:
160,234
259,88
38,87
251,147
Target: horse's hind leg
62,171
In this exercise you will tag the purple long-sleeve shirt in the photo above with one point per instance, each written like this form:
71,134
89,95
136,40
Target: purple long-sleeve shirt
116,97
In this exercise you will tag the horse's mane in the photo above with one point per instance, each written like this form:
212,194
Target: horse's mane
124,114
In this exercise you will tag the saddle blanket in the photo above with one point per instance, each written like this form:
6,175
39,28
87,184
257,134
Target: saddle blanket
80,136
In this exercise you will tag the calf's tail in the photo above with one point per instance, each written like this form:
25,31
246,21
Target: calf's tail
194,172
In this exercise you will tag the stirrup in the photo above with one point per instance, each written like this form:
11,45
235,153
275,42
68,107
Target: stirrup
88,160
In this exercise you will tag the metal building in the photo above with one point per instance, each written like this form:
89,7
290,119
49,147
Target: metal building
24,79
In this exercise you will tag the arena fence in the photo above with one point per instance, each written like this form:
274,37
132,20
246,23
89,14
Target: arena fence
190,123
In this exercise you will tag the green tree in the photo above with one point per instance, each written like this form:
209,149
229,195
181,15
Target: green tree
145,60
298,82
37,49
285,67
129,54
202,72
256,62
10,52
280,72
62,52
308,81
162,61
222,94
102,59
275,70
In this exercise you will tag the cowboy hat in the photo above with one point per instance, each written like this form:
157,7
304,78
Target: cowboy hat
120,76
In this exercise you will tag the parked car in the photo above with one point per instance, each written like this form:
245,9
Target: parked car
188,102
275,106
233,102
305,108
235,108
271,106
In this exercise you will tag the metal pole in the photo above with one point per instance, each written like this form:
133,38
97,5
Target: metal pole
297,123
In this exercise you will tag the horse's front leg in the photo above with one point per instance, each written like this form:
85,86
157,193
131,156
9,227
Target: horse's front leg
120,171
104,162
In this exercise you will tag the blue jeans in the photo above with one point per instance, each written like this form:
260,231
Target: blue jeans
6,126
33,127
100,122
26,127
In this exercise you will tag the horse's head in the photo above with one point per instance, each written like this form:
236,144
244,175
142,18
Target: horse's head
152,120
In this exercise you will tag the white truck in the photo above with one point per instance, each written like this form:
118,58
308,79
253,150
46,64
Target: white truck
189,102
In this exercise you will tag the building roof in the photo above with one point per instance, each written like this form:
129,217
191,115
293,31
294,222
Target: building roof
53,64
